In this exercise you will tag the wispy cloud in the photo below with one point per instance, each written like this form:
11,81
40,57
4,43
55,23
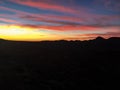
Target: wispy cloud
46,5
72,27
64,16
8,20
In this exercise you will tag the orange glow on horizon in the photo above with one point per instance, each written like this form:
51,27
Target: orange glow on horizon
26,33
19,33
40,33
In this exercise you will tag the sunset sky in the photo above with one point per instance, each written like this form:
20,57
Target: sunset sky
36,20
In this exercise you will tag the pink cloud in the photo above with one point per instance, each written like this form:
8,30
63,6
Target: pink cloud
63,28
40,17
8,20
76,27
46,5
53,5
65,20
54,19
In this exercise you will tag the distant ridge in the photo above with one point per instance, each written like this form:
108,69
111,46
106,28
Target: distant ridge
2,40
99,38
35,48
111,38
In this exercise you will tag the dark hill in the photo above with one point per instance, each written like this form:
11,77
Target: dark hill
59,65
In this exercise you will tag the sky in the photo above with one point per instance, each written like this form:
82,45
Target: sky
37,20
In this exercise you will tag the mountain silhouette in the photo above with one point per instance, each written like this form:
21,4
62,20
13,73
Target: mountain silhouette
99,38
59,65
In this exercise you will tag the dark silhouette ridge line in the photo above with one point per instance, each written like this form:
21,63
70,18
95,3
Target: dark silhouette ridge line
97,38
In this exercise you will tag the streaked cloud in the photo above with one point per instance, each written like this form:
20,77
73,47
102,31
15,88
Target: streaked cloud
68,19
8,20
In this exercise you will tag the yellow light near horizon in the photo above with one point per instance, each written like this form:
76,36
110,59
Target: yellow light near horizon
21,33
25,33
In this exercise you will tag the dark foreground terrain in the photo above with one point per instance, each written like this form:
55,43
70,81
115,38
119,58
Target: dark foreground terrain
60,65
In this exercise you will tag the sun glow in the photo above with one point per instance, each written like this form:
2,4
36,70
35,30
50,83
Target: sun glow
15,30
31,33
22,33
